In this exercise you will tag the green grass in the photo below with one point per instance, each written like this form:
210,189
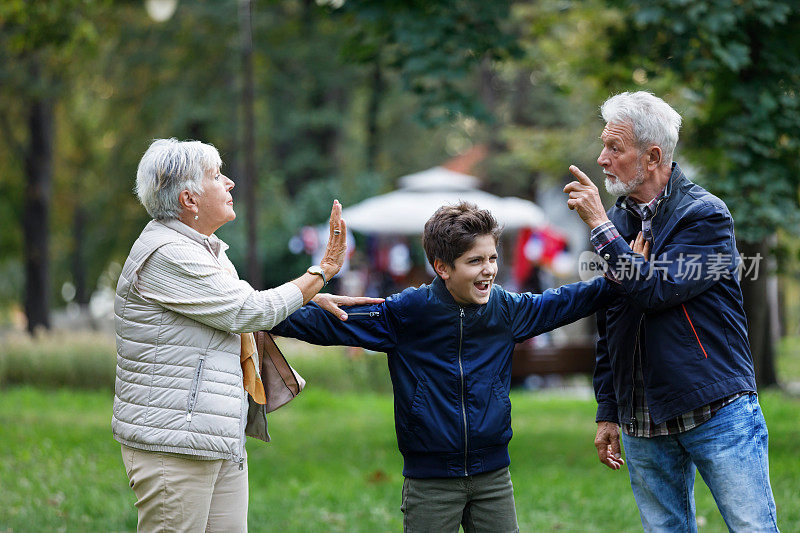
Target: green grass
333,466
787,360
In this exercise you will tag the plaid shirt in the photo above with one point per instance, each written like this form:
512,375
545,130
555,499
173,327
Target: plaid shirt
641,424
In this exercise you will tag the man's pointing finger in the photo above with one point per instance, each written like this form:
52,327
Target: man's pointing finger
578,173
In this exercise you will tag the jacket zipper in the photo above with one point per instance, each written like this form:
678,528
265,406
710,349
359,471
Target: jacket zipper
636,348
694,330
370,313
244,431
463,392
244,438
195,385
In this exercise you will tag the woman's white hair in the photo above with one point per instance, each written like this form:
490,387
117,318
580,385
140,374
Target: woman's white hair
654,122
168,167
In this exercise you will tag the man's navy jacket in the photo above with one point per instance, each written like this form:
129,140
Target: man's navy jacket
683,307
450,365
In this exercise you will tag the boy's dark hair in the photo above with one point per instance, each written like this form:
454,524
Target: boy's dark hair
452,230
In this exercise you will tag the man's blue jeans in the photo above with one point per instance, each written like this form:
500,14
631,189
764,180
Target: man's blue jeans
731,453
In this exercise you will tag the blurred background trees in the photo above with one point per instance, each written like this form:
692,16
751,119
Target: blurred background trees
349,95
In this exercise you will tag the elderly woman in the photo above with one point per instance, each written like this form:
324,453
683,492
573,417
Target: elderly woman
184,320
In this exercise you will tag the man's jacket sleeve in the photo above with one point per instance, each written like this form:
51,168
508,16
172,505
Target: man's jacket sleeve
698,254
603,379
532,314
372,327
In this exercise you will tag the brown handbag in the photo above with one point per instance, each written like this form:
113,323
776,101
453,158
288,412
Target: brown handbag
281,382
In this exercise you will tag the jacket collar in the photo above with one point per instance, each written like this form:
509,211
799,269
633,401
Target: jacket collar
211,242
440,290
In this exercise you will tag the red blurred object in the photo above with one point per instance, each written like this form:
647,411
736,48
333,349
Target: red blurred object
536,247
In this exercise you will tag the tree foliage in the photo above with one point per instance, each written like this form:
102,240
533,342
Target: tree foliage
545,100
36,43
740,65
435,47
350,95
114,90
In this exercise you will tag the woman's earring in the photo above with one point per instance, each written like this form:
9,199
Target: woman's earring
196,217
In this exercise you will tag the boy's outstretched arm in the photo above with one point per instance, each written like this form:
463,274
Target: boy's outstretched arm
533,314
369,326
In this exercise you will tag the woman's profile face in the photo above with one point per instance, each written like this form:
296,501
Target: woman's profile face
215,204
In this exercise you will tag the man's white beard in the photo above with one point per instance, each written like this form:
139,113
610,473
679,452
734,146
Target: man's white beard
618,188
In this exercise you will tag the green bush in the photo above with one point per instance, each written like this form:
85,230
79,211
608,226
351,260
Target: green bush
338,369
84,360
87,360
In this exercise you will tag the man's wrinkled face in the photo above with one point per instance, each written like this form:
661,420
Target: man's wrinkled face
621,159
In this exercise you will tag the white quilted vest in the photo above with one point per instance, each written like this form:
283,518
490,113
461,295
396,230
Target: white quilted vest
179,382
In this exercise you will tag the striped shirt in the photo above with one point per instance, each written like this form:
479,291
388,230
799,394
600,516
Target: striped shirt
641,425
200,282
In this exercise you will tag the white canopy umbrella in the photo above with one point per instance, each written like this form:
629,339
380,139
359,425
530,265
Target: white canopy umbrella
406,210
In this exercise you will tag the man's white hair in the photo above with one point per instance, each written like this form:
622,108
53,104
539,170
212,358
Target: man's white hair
168,167
654,122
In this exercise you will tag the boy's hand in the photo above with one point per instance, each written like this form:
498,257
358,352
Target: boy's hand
607,444
331,302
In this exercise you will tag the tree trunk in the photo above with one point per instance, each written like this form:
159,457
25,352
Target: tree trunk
249,144
36,211
760,306
78,256
373,110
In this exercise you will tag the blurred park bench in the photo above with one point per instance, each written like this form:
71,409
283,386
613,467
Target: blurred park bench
530,357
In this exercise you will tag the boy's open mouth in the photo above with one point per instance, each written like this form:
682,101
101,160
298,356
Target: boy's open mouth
483,285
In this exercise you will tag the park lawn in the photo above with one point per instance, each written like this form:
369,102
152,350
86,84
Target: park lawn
787,360
333,465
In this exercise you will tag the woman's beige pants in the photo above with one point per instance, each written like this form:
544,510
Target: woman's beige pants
177,493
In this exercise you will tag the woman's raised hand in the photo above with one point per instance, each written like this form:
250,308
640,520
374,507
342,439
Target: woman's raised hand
334,256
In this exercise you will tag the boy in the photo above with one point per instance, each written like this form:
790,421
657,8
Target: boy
449,347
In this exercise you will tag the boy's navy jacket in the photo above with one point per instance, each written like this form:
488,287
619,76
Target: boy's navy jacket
450,365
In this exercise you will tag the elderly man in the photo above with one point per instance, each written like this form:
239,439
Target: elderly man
674,368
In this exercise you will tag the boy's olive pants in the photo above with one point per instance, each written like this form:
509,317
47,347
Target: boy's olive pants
480,503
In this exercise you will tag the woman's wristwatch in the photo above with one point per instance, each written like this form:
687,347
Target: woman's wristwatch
317,271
